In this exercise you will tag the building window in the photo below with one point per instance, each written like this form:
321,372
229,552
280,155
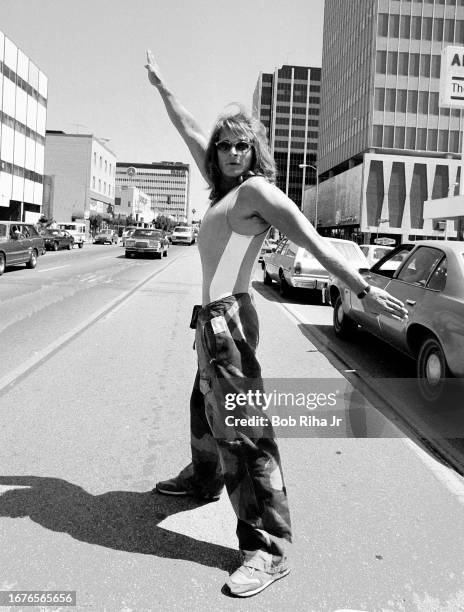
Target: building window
99,185
379,99
93,182
403,64
381,63
101,161
412,101
390,100
414,64
106,166
399,137
427,28
394,26
416,28
392,62
433,103
95,158
405,26
401,100
423,102
410,138
421,139
449,30
432,140
425,65
438,29
435,69
388,133
443,140
382,24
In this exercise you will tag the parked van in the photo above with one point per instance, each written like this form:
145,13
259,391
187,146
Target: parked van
77,231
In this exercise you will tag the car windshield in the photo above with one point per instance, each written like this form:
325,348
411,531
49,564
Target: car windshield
146,233
348,251
182,230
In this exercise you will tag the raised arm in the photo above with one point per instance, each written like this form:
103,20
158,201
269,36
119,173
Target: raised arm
274,207
182,119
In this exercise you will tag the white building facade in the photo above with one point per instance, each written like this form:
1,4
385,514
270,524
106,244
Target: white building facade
134,203
23,114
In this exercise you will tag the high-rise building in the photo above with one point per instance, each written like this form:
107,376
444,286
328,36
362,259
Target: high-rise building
385,145
23,113
287,102
166,183
80,177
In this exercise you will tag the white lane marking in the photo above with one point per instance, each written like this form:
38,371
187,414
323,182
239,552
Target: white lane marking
55,268
445,475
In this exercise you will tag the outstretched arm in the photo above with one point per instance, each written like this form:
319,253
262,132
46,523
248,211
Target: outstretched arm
274,207
182,119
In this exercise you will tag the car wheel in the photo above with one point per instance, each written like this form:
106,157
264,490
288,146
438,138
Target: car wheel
284,288
267,280
432,370
32,260
55,246
2,263
81,244
126,254
344,326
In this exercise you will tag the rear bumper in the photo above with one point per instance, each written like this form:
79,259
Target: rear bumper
308,282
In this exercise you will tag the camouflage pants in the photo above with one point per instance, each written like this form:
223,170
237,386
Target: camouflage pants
243,455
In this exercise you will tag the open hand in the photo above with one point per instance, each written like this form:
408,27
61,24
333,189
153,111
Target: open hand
154,73
379,301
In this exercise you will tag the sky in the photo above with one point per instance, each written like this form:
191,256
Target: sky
210,52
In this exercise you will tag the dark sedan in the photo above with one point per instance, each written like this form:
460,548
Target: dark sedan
55,239
147,241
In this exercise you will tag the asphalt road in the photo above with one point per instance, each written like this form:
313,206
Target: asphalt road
97,364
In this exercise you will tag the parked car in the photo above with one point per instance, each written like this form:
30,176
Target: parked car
146,241
19,243
183,235
55,239
106,237
295,268
374,252
269,246
430,281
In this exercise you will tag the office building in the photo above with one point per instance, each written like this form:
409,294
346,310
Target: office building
23,115
287,102
80,171
166,183
385,145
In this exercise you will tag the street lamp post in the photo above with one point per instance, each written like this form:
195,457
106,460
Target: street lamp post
304,166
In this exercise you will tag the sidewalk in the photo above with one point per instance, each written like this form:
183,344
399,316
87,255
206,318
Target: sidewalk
375,528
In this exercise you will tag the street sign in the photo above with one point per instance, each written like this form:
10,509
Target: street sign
384,241
452,77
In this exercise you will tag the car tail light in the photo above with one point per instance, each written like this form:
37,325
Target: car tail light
297,268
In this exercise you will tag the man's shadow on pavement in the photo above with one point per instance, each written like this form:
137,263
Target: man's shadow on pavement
122,520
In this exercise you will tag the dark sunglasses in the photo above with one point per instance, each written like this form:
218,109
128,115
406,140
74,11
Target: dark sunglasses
241,146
